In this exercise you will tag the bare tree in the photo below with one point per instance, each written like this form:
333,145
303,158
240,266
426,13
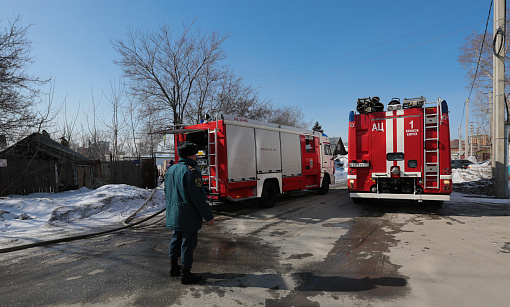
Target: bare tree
18,89
147,142
480,75
289,116
206,88
93,144
116,124
235,98
163,68
133,124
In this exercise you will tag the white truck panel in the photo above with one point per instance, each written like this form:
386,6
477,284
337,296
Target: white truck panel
291,151
268,151
241,153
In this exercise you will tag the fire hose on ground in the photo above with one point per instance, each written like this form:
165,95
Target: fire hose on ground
89,235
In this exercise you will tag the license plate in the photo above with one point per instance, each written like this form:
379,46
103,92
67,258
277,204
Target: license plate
362,164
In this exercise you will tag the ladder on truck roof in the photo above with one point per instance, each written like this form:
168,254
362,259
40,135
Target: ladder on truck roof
431,119
212,139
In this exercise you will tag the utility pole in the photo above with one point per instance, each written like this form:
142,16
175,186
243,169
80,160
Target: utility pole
467,128
491,106
500,143
471,141
460,142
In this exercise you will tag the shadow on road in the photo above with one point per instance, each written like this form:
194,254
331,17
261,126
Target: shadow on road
469,207
306,282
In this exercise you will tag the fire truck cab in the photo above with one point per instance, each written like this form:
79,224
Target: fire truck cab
242,158
401,153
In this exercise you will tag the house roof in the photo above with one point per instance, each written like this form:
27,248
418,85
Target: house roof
42,146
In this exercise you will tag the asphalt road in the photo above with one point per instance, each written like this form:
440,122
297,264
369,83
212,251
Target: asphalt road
309,250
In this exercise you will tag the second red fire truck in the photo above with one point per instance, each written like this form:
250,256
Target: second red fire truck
400,153
242,158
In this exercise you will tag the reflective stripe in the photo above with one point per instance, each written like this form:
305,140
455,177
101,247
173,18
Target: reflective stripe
400,140
389,142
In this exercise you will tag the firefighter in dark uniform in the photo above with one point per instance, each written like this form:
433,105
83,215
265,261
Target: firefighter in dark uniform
186,208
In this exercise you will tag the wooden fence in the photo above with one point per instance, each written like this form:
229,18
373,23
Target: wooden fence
25,177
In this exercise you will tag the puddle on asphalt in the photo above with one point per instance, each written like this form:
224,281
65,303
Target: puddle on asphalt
343,225
220,248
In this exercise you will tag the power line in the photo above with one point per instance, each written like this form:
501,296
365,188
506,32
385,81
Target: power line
478,63
363,49
370,60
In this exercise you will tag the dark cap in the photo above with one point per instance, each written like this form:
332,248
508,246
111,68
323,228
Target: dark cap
187,149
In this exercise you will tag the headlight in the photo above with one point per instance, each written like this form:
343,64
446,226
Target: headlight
351,183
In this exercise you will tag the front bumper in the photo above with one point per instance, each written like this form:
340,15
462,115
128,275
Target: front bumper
418,197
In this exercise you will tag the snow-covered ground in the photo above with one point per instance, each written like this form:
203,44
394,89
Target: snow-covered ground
44,216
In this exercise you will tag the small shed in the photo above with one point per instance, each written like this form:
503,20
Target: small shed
39,164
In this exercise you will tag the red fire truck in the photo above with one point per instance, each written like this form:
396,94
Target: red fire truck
242,158
401,153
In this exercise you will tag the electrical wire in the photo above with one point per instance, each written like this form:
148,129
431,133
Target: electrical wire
478,63
369,60
366,48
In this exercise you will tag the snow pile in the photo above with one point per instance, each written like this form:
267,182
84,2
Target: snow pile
477,179
49,215
340,169
475,172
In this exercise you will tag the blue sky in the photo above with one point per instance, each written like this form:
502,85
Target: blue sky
318,55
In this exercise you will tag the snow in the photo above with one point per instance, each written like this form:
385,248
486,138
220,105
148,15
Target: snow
340,169
474,173
45,216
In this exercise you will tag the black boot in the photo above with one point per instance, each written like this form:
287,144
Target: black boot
189,278
175,269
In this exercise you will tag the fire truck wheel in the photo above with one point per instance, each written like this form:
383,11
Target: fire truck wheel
324,189
269,195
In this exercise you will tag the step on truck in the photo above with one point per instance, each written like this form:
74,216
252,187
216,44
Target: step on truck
243,159
400,153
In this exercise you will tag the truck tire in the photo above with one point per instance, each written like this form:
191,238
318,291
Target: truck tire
269,195
324,189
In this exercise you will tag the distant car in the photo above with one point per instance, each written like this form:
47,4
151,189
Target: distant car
464,164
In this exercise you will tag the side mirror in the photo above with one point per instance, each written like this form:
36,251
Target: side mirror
340,148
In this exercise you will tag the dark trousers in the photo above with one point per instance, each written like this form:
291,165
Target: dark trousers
183,244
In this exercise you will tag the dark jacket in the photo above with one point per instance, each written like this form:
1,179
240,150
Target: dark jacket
186,200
